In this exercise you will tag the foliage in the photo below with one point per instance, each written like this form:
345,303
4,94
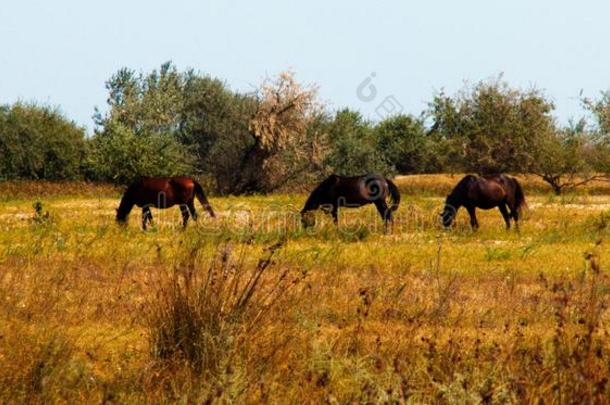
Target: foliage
286,144
402,139
214,127
171,122
282,137
354,148
490,127
566,159
600,108
137,136
38,142
120,156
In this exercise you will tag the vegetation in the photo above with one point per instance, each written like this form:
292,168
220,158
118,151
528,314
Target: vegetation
250,307
281,136
491,128
38,142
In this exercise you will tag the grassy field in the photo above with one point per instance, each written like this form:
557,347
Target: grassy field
249,307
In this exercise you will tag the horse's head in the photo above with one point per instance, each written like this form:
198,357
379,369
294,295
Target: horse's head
121,216
449,212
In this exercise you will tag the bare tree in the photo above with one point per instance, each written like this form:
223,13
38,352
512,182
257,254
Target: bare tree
287,143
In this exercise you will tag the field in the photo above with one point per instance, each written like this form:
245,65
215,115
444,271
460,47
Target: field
249,307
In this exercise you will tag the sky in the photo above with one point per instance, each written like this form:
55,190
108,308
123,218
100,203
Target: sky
378,57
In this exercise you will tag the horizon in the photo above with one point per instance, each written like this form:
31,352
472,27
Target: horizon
61,54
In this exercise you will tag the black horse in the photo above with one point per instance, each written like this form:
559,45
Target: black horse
338,191
163,192
485,192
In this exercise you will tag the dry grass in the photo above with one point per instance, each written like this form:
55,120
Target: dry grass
442,184
92,313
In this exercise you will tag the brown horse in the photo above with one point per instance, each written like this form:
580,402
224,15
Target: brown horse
162,192
485,192
338,191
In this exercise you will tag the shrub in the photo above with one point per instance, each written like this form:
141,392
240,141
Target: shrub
200,317
39,142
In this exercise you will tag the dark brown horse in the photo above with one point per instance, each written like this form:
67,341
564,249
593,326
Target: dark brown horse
485,192
338,191
163,192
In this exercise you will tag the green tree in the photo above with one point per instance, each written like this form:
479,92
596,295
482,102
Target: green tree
215,127
600,110
402,140
491,128
565,159
354,148
39,142
138,135
119,155
168,122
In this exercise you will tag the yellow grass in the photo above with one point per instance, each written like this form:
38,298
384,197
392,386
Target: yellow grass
418,315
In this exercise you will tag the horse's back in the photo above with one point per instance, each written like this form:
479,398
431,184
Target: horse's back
361,190
162,191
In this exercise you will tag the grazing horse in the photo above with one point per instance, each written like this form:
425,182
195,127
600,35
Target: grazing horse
485,192
162,192
338,191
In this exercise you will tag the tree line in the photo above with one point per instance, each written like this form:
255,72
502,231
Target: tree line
170,122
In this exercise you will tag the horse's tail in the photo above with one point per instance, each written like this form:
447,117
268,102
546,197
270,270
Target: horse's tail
202,199
394,195
520,202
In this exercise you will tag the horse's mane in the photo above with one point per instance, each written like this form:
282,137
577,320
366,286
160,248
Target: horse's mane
321,190
462,185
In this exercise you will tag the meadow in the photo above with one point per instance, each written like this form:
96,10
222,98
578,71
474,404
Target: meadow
249,307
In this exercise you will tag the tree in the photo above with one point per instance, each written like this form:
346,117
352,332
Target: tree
39,142
491,128
354,149
600,109
138,135
169,122
215,127
402,140
119,155
566,159
285,143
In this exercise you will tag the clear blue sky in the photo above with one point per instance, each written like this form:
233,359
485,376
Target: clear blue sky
61,52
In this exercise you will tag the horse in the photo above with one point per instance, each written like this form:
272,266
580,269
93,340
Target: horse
485,192
339,191
162,192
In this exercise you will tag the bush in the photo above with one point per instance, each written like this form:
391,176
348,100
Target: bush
38,142
200,317
402,140
490,127
354,149
120,156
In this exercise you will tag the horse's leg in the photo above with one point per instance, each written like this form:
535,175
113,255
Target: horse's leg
505,214
514,212
473,217
146,217
185,215
335,213
193,211
385,212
